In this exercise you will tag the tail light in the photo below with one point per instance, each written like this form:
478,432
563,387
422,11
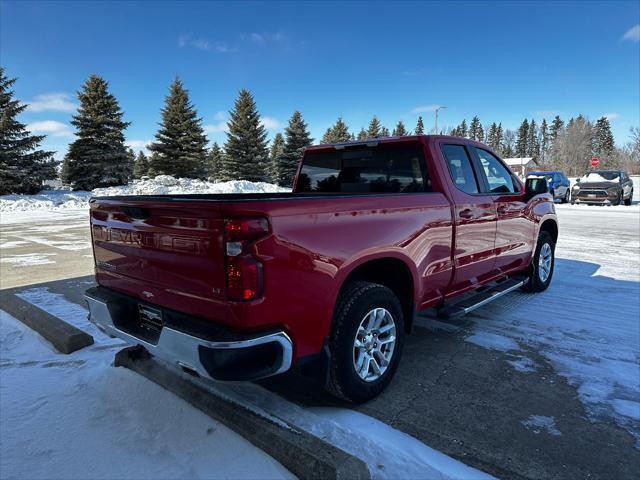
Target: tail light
244,271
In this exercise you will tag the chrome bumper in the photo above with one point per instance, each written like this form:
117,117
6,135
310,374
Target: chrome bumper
182,349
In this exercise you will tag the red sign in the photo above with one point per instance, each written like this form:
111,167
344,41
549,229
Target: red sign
595,162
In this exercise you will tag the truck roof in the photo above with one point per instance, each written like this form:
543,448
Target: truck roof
371,142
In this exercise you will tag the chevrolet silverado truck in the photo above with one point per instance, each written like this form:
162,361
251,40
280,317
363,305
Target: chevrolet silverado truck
326,278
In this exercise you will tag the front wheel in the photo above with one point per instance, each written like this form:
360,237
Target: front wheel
366,341
567,196
629,200
542,264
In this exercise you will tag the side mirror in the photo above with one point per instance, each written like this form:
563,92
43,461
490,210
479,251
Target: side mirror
577,180
535,186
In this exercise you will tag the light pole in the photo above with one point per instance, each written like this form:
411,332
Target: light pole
436,112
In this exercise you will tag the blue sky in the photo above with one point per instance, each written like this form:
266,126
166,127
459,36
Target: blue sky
500,60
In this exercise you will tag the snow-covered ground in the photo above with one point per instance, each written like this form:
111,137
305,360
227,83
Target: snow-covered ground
587,324
75,416
160,185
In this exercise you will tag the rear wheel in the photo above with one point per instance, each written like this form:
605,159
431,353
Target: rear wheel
366,341
542,264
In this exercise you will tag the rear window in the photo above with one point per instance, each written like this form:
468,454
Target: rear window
365,170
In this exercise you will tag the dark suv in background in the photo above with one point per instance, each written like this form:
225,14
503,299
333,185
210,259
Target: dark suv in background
558,182
603,187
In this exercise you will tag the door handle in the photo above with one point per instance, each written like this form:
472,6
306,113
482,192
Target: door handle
502,210
466,213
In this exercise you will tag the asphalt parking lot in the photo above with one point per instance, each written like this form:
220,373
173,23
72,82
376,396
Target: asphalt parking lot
514,408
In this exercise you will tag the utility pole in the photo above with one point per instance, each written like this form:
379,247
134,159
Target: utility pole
436,112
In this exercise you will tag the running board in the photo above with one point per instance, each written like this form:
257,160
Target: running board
488,295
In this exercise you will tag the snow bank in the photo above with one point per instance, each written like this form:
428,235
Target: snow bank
160,185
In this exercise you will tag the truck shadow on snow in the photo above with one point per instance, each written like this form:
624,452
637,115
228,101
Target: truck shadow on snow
484,390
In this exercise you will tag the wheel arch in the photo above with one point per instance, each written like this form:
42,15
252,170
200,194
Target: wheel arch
393,272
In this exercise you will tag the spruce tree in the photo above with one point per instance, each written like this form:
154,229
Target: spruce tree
419,127
375,128
603,145
362,134
98,157
23,167
180,142
141,165
492,136
556,127
297,138
461,130
275,153
475,128
384,132
400,130
246,153
533,143
544,140
337,133
214,162
521,142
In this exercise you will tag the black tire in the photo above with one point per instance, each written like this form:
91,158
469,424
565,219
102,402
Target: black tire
567,196
355,302
629,200
618,200
535,283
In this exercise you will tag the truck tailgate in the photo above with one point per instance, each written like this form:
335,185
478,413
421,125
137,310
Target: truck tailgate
168,254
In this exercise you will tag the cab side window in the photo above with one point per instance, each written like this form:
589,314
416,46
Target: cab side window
460,168
498,176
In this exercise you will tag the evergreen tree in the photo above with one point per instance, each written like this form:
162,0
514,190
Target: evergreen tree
475,129
492,137
384,132
603,145
141,165
419,127
461,130
544,140
98,157
521,142
297,138
246,154
337,133
362,134
214,162
23,167
533,143
556,127
375,128
277,149
180,142
400,130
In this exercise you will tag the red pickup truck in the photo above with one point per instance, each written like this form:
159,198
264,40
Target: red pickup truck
244,286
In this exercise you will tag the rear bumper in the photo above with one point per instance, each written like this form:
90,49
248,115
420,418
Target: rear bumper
197,346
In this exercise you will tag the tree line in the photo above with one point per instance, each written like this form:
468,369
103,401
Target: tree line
99,157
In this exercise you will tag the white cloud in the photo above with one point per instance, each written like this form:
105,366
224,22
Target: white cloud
612,116
51,127
57,102
271,123
221,115
548,113
138,145
216,127
633,34
187,40
265,37
425,108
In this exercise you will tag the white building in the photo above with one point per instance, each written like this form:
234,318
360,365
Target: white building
519,166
